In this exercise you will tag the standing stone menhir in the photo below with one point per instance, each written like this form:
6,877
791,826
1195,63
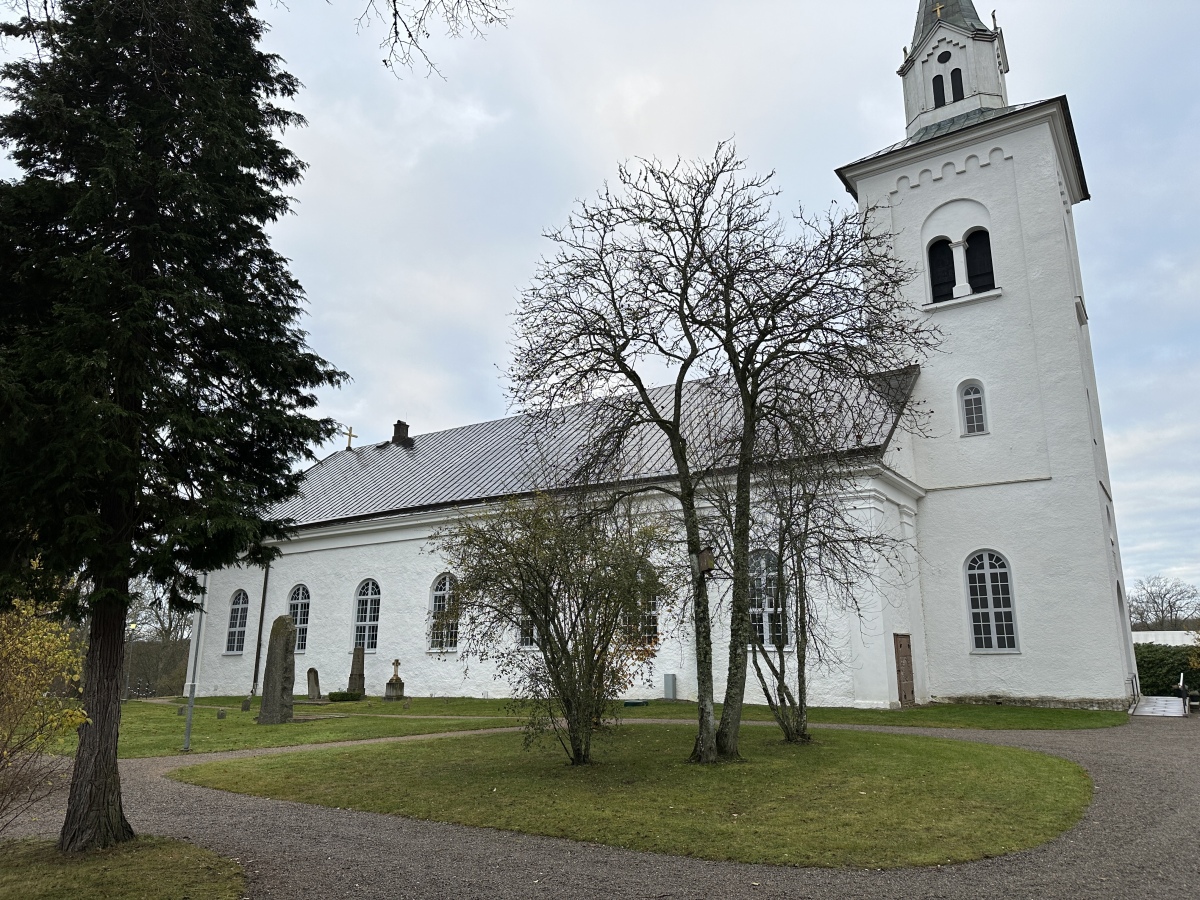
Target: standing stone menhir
358,678
280,674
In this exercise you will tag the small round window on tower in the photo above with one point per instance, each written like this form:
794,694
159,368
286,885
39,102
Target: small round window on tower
944,57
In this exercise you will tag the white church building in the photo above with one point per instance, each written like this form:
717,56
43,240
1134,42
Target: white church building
1016,589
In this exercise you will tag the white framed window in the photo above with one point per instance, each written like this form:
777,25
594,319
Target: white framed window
527,637
990,594
766,610
298,610
972,409
642,627
239,608
366,616
443,625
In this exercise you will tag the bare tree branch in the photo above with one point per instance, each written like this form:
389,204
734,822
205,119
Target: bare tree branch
409,25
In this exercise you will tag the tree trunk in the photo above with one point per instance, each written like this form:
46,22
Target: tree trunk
705,748
95,818
739,612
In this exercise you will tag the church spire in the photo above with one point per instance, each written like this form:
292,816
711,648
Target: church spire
932,13
956,65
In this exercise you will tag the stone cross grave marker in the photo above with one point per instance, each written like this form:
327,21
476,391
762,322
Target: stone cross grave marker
394,690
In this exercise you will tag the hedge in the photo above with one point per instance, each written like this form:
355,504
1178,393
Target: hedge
344,696
1159,666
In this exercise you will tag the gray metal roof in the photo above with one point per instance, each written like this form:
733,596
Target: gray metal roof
960,13
970,120
948,126
512,457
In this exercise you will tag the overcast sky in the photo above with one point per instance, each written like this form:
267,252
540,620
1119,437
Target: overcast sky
421,214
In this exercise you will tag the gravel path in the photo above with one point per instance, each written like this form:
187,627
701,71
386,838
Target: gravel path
1139,839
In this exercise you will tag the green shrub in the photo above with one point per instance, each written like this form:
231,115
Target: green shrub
344,696
1159,666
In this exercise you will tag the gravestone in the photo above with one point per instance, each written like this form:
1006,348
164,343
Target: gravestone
180,710
358,678
221,713
280,674
314,685
394,690
246,705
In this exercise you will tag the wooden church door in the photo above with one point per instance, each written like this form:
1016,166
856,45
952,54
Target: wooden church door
904,669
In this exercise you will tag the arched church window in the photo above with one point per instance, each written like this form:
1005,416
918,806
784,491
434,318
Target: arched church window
443,626
974,420
956,84
989,587
298,610
979,262
239,607
939,91
641,626
766,609
366,618
941,270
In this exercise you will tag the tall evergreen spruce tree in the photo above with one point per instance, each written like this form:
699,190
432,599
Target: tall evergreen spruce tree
154,381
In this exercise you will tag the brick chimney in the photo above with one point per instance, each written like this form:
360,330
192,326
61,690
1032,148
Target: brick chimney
400,435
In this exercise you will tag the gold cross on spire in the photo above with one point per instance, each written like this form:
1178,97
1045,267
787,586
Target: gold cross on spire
350,435
938,9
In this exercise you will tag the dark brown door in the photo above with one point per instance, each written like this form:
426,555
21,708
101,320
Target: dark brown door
904,670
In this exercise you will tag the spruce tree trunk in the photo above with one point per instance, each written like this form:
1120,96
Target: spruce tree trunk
95,817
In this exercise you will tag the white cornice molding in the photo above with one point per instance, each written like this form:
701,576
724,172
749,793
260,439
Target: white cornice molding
1054,113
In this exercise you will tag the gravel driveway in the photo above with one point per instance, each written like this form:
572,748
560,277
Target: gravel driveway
1139,839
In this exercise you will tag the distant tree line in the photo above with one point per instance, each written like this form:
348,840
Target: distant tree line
1159,603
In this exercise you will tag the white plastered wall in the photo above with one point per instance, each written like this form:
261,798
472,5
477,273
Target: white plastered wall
1034,487
331,562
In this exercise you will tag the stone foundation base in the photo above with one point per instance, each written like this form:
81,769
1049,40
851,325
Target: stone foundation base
1117,704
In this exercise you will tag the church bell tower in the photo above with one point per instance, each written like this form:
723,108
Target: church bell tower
956,64
1019,592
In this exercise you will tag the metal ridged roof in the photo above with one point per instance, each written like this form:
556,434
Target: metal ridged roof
949,126
513,456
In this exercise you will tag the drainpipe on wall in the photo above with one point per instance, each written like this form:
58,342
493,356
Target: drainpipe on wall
262,610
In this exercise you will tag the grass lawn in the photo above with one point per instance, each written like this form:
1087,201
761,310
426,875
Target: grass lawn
942,715
416,706
154,729
937,716
849,799
144,869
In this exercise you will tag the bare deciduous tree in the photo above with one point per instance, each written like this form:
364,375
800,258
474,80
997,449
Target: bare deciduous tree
1159,603
554,590
683,274
824,551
